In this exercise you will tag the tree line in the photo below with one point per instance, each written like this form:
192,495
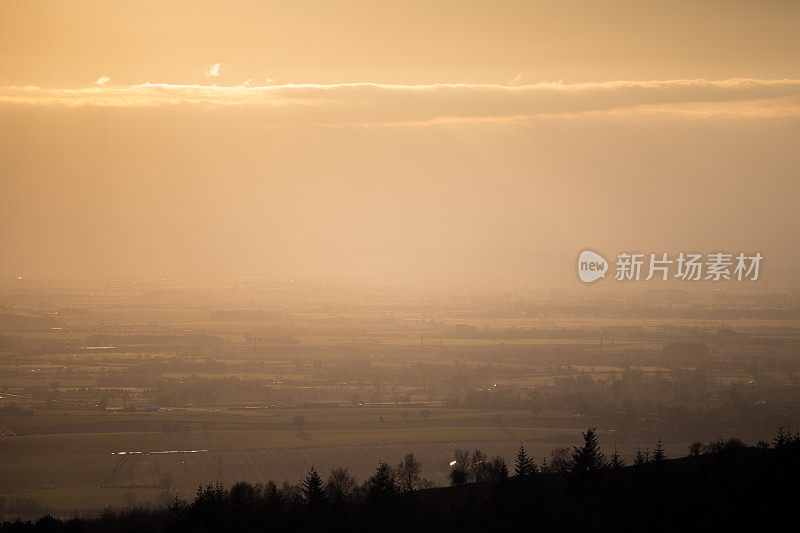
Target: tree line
722,483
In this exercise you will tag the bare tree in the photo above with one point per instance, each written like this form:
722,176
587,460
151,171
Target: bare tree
459,467
408,473
341,486
559,460
479,466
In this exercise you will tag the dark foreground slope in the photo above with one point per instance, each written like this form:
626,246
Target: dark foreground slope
728,487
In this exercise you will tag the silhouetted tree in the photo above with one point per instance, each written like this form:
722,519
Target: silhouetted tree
176,505
695,448
242,495
524,467
271,493
617,462
639,459
781,438
341,487
479,468
291,493
498,470
243,500
210,505
587,458
721,445
560,460
48,523
311,487
408,473
459,469
659,456
381,485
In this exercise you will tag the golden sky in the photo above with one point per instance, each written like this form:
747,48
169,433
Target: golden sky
387,141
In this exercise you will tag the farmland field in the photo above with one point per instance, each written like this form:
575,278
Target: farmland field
107,404
86,462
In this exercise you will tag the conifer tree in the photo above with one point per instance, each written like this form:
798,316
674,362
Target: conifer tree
524,465
311,487
659,456
588,458
382,484
617,462
639,458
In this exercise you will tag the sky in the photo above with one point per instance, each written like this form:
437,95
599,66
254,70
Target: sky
440,142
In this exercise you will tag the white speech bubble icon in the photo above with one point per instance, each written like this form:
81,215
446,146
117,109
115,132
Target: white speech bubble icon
591,266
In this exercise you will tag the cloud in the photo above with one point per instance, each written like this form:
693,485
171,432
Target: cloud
418,105
102,80
213,70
